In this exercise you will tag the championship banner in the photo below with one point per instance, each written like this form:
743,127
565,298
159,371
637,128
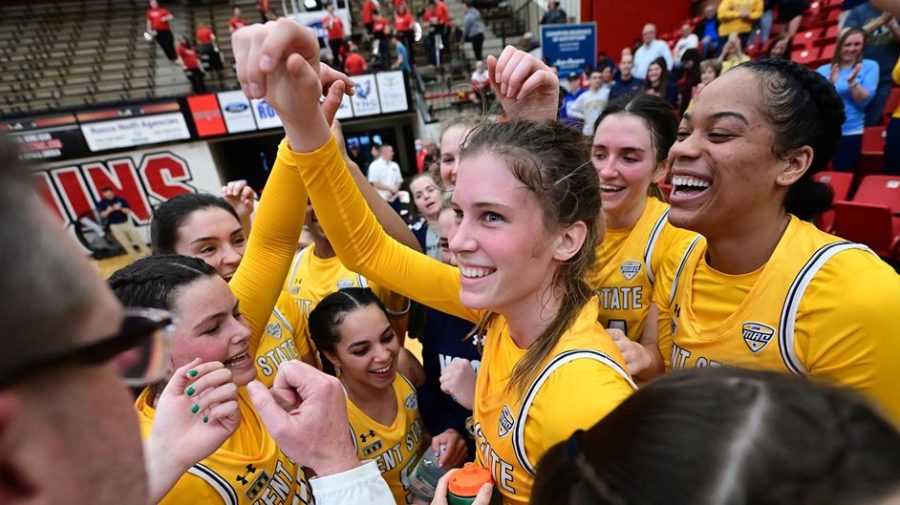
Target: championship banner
570,47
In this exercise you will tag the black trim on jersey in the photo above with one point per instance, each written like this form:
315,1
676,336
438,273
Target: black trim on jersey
680,270
217,482
651,244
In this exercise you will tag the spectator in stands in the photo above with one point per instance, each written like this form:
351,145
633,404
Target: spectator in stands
732,53
603,60
236,21
427,155
433,42
781,47
855,80
384,174
709,70
403,24
554,15
158,25
627,83
402,62
264,9
355,63
368,10
882,47
690,78
473,28
187,57
651,48
892,135
382,50
445,22
117,213
708,31
480,79
687,41
657,83
573,91
739,16
590,104
206,46
790,12
335,28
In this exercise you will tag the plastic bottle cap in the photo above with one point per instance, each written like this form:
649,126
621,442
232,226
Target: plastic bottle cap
468,480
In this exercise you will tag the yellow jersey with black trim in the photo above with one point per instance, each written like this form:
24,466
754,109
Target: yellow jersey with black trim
313,278
397,447
820,307
514,429
283,339
627,262
248,469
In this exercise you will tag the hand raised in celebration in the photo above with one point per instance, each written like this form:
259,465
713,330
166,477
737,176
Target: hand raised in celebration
525,86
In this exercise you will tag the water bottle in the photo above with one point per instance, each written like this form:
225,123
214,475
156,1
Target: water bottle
424,477
465,483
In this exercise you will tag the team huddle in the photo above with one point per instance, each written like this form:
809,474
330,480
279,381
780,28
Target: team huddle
561,290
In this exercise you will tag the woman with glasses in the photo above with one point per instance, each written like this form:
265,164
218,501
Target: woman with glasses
248,466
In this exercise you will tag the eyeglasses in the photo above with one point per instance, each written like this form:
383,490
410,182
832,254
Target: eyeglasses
139,351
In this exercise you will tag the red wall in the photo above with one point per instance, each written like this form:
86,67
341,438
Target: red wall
620,21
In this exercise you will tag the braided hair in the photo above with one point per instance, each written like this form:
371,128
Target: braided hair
152,282
805,110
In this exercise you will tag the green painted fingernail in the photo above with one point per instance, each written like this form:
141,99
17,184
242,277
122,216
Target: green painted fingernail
205,419
195,408
193,373
190,391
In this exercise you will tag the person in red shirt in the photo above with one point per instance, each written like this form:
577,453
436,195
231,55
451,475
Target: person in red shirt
403,24
188,56
263,7
433,43
236,20
355,63
368,9
158,25
443,16
380,31
206,46
335,28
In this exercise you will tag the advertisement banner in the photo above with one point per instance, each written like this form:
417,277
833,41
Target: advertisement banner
236,111
144,178
392,91
206,115
131,132
345,110
265,114
53,137
570,47
365,100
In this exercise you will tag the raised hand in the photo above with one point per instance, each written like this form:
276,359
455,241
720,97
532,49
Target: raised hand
196,412
854,73
241,196
525,86
458,381
306,413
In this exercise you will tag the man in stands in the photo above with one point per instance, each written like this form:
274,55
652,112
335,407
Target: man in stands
236,20
158,25
591,102
707,30
650,50
403,58
117,213
355,63
384,174
627,83
554,15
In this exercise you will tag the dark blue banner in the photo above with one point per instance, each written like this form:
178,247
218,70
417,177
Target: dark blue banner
570,47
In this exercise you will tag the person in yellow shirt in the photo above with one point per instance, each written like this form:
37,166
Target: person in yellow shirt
351,329
248,466
629,149
763,288
209,228
739,16
527,203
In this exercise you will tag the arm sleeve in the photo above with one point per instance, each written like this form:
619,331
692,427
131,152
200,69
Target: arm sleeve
279,220
596,388
363,484
364,247
896,73
846,329
667,55
576,108
869,80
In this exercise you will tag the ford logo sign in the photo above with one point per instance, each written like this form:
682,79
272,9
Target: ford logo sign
236,107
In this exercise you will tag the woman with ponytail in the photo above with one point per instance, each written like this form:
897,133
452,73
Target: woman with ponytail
763,288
